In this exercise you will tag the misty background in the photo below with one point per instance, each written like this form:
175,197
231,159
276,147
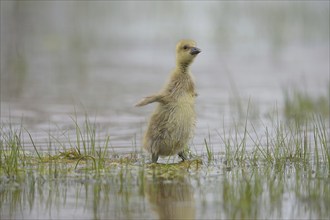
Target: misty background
60,58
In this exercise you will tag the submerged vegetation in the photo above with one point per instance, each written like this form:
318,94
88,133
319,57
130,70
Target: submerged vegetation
260,165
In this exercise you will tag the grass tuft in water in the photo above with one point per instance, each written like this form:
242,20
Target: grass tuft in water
12,155
282,142
209,151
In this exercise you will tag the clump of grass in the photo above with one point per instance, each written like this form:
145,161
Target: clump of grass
86,147
281,143
11,151
85,135
310,128
235,144
209,151
235,147
83,149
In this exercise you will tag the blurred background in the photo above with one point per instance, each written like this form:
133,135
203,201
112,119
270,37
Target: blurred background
64,58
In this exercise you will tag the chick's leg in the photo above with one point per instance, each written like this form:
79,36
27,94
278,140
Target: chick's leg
182,156
154,158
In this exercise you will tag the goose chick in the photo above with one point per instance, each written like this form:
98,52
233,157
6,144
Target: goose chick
172,124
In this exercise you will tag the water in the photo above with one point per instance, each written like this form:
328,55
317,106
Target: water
61,61
206,194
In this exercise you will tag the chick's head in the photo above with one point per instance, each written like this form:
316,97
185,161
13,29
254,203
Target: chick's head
186,51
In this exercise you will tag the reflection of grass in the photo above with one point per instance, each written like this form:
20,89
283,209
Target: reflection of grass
259,192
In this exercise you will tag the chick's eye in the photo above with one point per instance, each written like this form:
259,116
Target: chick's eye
185,47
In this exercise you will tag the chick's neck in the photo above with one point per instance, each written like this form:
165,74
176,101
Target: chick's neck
183,67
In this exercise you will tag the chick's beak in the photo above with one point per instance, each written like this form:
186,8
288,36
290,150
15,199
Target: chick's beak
195,50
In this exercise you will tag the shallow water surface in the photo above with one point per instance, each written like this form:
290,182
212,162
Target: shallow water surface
195,193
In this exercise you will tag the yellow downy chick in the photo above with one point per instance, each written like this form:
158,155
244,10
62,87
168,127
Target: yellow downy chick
172,123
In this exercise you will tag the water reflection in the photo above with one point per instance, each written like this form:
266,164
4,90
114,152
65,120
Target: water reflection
113,196
273,192
83,197
138,192
171,198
